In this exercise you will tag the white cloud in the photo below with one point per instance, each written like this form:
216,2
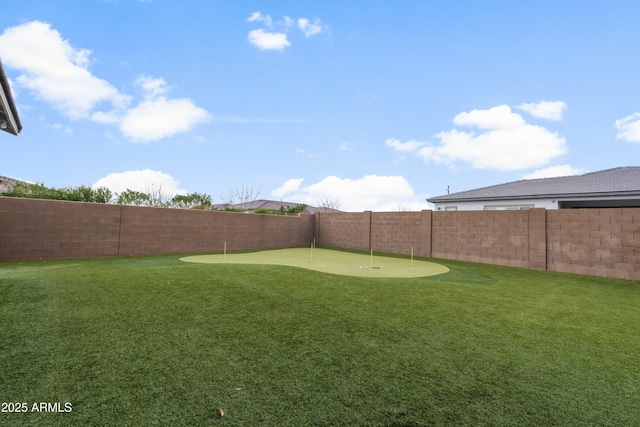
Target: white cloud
309,28
161,118
141,180
269,38
259,17
153,87
158,117
371,192
255,16
548,110
554,171
405,147
500,117
506,142
56,71
266,40
629,128
290,186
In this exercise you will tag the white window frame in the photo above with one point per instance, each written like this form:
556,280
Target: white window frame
507,207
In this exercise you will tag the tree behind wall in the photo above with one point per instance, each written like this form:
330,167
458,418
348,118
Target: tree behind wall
329,204
83,193
133,198
242,196
155,196
191,201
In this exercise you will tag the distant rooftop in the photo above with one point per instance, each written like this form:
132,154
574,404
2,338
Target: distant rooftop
622,181
6,183
273,204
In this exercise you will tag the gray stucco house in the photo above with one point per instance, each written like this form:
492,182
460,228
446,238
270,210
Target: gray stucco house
617,187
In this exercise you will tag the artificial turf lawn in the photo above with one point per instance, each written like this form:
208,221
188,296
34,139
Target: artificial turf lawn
155,341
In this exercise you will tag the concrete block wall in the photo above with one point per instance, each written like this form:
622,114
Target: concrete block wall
496,237
285,231
154,230
537,239
33,229
390,232
399,234
599,242
157,230
350,230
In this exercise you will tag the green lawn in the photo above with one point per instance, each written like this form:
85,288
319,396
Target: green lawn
145,341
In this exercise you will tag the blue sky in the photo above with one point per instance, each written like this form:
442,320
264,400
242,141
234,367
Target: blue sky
375,105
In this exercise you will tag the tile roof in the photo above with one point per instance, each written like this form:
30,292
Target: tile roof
6,183
274,204
610,182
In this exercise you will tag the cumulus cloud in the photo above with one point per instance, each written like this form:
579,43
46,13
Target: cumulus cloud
290,186
158,117
58,73
500,117
161,118
371,192
554,171
152,86
629,128
310,28
266,40
548,110
405,147
259,17
140,180
503,141
287,22
274,35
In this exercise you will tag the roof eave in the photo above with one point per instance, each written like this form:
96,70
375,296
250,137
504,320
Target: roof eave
7,107
538,196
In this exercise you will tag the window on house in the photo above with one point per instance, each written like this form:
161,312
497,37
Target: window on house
450,208
508,207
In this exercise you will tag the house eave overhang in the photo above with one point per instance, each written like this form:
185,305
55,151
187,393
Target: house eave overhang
9,119
608,195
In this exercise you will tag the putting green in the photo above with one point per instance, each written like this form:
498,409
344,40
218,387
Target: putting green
329,261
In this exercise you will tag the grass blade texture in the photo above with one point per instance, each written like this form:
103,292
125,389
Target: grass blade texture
155,341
